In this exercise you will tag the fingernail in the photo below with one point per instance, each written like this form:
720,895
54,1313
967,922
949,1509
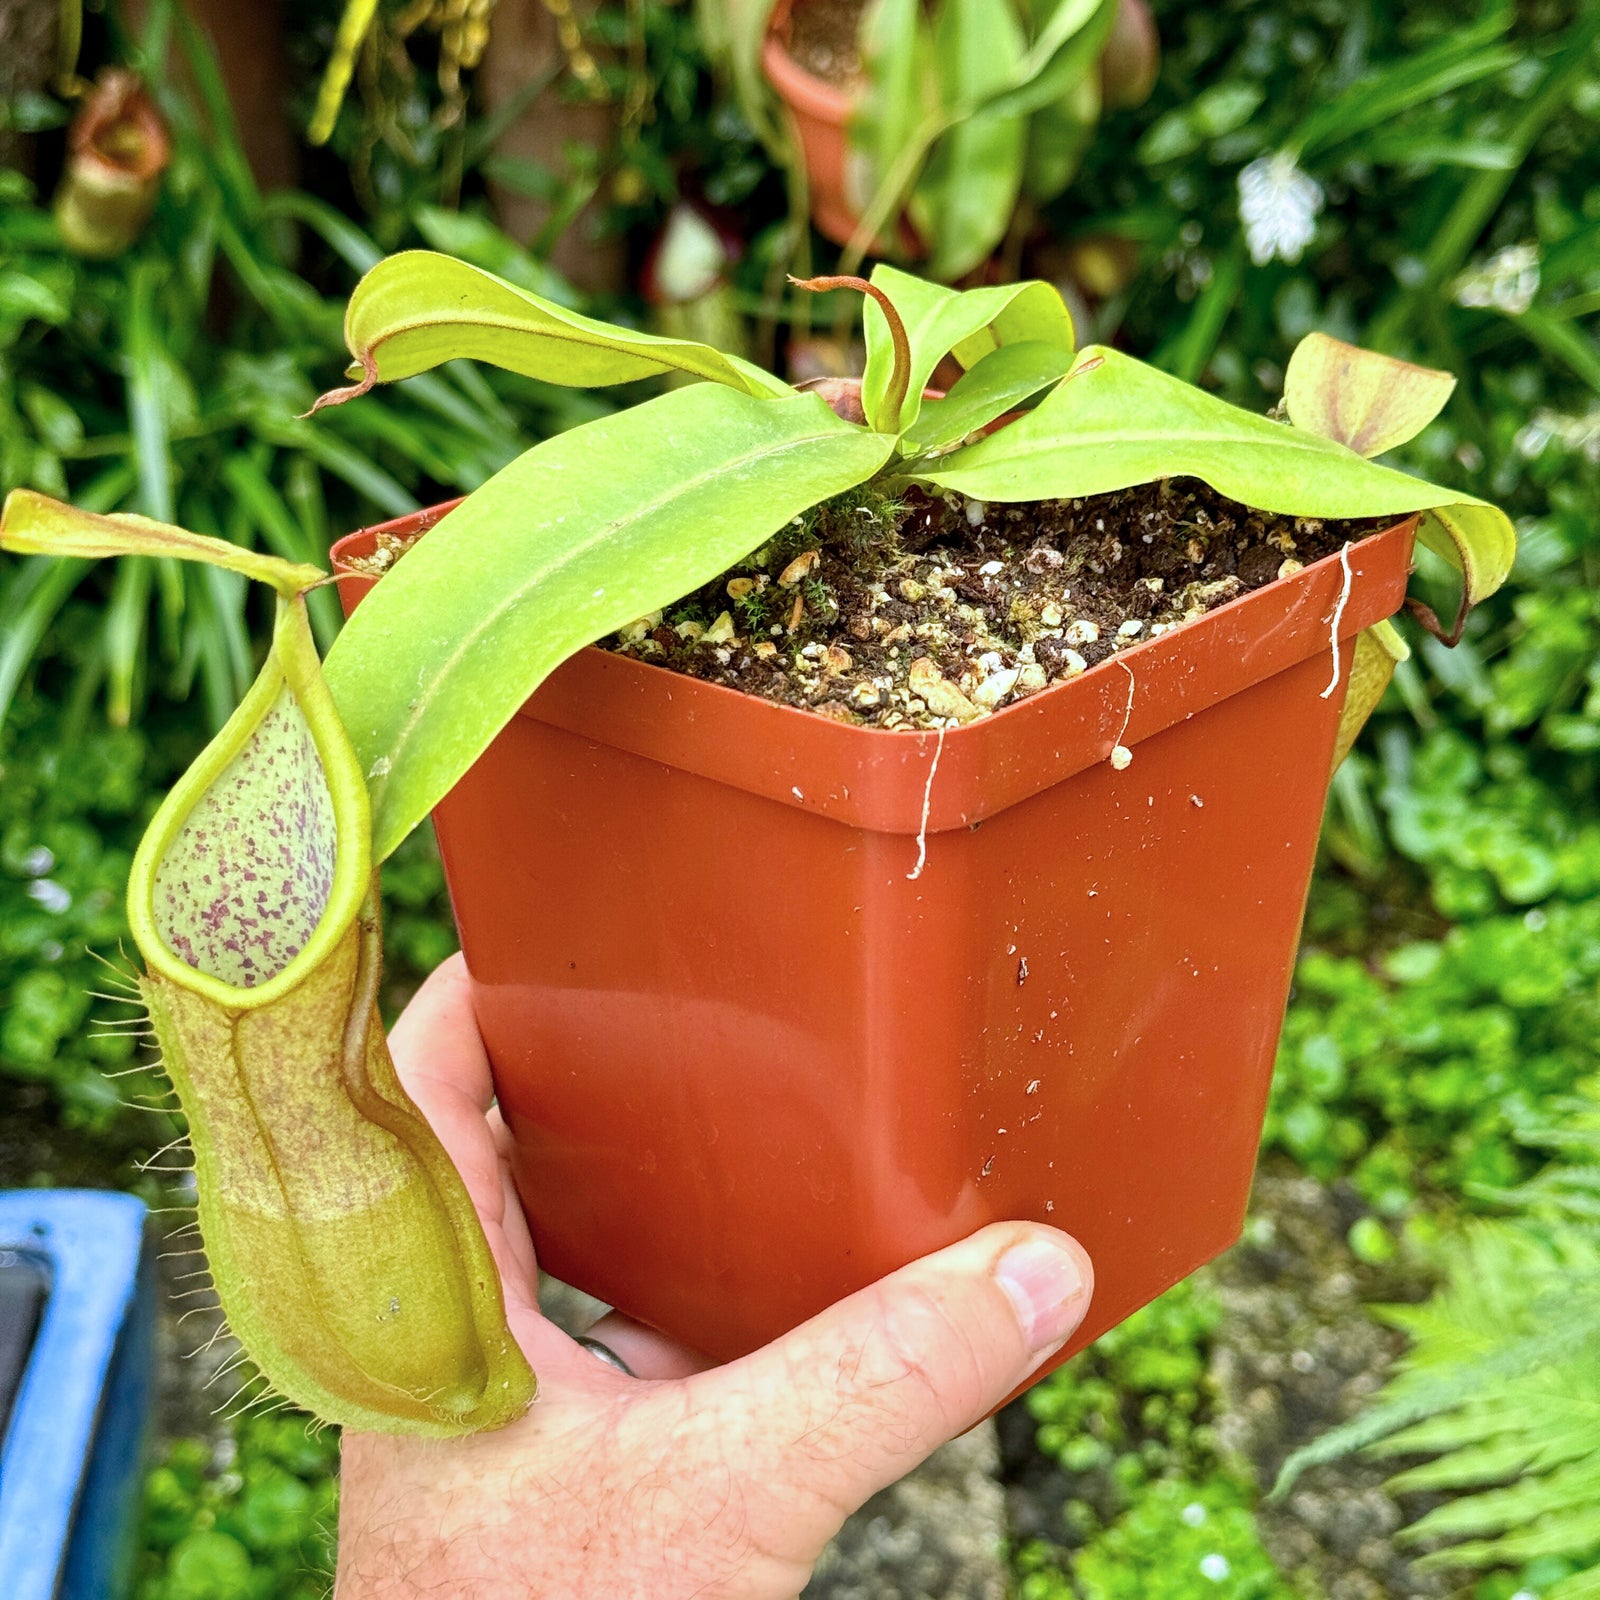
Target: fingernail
1045,1284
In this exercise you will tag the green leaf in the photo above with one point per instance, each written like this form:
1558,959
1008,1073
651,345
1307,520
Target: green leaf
1465,56
1583,1585
941,322
1368,402
1117,422
1003,380
1070,39
968,195
353,26
34,524
467,236
1371,403
1478,540
418,309
553,553
895,51
28,604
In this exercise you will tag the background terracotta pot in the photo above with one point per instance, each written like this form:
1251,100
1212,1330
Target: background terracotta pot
821,112
777,1004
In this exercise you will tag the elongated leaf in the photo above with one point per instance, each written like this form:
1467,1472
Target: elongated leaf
999,383
1071,38
28,605
418,309
34,524
552,554
1465,56
968,194
1366,401
941,322
353,25
1120,423
1557,337
896,52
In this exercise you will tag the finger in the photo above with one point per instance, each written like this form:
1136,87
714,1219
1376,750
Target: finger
441,1063
648,1354
435,1041
826,1416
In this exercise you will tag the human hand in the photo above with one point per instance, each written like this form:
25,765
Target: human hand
722,1483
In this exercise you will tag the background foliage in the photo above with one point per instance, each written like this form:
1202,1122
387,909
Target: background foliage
1445,1009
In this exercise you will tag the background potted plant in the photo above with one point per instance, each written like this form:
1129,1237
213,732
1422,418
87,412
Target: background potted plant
825,1083
929,132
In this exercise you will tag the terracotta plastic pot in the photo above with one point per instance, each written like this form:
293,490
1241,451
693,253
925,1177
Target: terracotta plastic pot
821,113
777,1004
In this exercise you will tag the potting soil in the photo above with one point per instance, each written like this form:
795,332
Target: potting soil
927,613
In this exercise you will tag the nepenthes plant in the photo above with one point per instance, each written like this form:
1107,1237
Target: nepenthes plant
344,1247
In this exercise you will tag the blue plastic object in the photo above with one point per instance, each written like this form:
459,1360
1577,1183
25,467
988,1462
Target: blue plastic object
71,1458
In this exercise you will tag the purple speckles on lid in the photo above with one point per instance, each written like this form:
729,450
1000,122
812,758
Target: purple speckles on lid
244,885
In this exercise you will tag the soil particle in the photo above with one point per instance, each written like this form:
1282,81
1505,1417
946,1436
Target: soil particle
931,612
823,39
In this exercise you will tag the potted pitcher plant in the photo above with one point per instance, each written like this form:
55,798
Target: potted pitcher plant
867,815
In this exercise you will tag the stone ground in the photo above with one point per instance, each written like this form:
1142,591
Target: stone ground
1295,1355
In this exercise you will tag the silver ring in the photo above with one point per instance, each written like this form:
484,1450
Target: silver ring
604,1352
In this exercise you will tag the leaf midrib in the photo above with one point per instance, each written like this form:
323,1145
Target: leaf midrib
563,332
537,575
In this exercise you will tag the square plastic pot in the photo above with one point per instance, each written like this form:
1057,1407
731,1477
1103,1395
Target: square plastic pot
777,1004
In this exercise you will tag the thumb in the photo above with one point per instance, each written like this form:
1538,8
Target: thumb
852,1400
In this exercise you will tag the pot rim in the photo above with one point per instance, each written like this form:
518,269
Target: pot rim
882,779
803,90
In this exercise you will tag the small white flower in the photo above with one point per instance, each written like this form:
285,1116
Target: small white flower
1507,281
1532,438
48,893
38,861
1193,1514
1278,204
1215,1567
1579,434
